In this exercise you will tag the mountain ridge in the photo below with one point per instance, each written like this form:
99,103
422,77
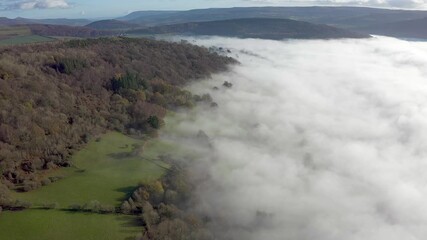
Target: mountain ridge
263,28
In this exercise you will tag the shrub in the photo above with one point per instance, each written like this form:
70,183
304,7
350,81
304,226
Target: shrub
75,207
46,181
30,185
50,205
126,208
107,209
93,206
154,122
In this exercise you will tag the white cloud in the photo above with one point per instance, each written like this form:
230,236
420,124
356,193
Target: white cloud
321,140
38,4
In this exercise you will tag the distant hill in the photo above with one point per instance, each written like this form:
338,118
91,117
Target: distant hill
60,21
348,17
145,14
264,28
10,22
65,31
112,25
409,29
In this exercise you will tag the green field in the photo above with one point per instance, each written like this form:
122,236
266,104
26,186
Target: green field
19,35
106,170
25,40
14,31
54,225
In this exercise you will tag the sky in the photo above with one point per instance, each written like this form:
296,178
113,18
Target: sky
116,8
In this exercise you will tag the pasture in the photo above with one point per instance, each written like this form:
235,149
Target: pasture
108,169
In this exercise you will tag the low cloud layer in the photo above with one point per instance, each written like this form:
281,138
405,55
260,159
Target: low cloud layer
321,140
34,4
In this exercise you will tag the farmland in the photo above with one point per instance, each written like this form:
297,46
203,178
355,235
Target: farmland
20,35
107,170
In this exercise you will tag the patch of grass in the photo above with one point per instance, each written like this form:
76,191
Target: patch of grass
14,31
16,35
27,39
106,170
54,224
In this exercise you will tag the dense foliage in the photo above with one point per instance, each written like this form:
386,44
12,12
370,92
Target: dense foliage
163,207
55,97
66,31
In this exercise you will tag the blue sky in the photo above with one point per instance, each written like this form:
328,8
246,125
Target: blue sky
115,8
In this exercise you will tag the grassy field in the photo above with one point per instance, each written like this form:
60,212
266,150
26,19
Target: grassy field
25,40
54,225
14,31
107,170
19,35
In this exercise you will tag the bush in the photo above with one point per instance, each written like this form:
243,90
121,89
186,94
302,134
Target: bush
107,209
46,181
75,207
30,185
50,205
126,208
154,122
18,204
93,206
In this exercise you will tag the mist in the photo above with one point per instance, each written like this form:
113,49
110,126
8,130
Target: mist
322,140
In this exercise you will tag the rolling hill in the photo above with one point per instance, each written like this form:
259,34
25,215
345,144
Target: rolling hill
10,22
263,28
145,14
59,21
112,25
407,29
391,22
348,17
34,33
66,31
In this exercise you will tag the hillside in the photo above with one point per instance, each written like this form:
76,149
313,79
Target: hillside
65,31
30,33
54,21
263,28
10,22
55,97
145,14
348,17
407,29
111,25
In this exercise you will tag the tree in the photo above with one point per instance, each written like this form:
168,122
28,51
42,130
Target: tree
154,122
149,216
126,208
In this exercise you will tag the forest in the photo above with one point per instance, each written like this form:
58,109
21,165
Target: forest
56,97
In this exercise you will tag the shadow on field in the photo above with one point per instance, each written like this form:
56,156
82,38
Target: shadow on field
129,221
127,192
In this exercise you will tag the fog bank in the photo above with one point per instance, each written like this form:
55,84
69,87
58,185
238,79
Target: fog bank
322,140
